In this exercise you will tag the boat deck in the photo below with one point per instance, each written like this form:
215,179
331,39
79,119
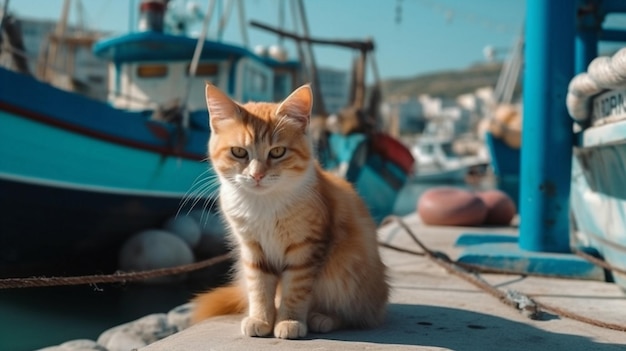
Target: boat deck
431,309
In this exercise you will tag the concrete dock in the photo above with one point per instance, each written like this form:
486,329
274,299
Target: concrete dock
431,309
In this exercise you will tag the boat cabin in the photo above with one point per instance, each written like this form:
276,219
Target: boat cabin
149,69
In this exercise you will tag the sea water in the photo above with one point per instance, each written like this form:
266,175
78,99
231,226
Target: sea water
39,317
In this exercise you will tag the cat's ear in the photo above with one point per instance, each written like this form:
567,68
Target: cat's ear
221,107
297,107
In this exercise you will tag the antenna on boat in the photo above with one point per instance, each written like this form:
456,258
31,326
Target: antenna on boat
242,23
318,107
226,16
507,81
3,15
224,19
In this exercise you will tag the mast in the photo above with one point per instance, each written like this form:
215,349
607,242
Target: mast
364,47
50,59
318,107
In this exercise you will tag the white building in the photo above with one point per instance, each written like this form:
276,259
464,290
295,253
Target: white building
335,86
459,116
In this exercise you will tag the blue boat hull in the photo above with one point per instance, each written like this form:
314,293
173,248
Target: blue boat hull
56,229
78,176
598,195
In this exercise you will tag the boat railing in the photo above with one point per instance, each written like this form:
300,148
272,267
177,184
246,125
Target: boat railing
603,73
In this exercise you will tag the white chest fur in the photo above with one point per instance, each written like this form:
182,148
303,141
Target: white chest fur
258,218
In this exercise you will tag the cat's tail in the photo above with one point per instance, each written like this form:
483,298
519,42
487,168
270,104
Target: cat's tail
229,299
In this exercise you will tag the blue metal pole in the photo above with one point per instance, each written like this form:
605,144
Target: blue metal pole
589,26
586,49
614,6
546,154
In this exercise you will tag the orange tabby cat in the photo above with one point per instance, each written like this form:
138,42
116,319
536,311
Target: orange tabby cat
307,250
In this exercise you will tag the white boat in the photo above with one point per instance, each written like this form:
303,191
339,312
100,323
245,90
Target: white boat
436,161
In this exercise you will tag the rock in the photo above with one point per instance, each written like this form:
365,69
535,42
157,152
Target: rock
500,207
76,345
153,249
125,342
451,206
186,228
138,333
105,336
82,345
180,316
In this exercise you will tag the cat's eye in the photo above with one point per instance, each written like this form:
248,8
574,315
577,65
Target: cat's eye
278,152
239,152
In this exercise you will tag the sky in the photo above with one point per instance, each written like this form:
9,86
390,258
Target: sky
412,37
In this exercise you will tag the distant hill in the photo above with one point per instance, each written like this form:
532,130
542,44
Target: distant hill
446,83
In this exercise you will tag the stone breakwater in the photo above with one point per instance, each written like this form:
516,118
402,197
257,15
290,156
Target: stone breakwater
135,334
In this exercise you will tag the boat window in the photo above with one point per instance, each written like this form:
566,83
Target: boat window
257,80
151,71
281,86
205,69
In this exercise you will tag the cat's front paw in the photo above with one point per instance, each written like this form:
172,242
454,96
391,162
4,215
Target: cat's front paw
320,323
251,326
290,329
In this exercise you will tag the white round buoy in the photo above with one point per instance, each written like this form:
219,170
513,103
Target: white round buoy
186,228
278,53
213,239
152,249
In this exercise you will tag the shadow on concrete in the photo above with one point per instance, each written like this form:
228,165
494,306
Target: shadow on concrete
434,326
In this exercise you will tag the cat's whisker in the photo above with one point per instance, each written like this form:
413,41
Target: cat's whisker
192,192
205,192
199,190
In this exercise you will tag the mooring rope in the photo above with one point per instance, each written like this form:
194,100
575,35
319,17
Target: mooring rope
526,304
598,262
603,73
444,261
117,277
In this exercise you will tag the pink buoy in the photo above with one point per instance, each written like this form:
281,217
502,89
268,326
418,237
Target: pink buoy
500,207
451,206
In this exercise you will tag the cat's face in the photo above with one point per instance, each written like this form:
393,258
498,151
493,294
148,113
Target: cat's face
260,147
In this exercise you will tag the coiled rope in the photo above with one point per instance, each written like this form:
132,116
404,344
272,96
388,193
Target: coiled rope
603,73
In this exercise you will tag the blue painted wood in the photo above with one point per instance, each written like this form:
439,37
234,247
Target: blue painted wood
505,161
509,256
377,181
547,139
158,46
467,239
25,96
589,29
50,154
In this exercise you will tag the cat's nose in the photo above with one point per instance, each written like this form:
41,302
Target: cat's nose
258,176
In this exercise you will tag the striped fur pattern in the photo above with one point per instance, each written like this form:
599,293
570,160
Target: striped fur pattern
308,254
